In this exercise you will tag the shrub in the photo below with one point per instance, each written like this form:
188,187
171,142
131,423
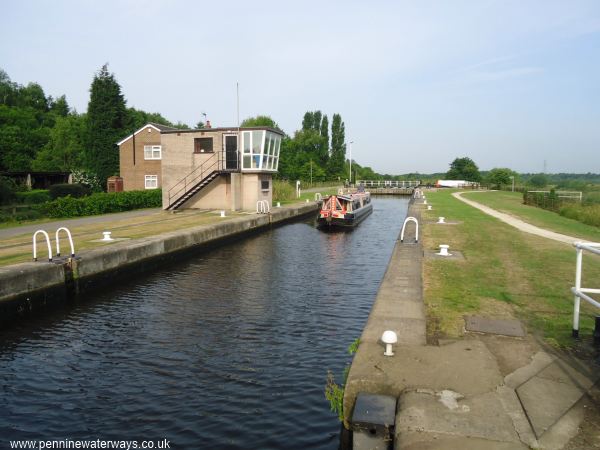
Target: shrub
103,203
282,191
589,215
7,191
33,197
74,190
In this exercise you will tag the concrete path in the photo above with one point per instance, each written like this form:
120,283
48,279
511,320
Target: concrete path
518,223
6,233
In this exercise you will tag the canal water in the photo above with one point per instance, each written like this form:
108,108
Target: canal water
229,349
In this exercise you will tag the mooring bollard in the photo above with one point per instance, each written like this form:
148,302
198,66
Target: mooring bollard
424,202
444,250
441,220
279,204
222,213
106,235
428,207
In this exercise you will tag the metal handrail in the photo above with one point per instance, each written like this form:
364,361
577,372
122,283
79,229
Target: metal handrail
214,163
47,242
263,207
70,241
410,219
577,290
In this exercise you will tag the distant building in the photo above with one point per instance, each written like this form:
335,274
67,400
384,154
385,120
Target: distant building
456,183
209,168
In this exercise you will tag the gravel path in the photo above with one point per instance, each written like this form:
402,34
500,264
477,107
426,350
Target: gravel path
518,223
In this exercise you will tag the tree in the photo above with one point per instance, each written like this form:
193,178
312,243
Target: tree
200,125
106,124
463,169
338,147
260,121
64,150
500,176
325,135
539,180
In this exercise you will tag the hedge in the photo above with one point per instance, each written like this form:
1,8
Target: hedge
102,203
33,197
74,190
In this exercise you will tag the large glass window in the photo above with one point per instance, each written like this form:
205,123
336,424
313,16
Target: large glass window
260,150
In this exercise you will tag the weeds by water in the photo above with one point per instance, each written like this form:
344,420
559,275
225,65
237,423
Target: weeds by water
335,392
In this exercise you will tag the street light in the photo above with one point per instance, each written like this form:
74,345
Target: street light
350,158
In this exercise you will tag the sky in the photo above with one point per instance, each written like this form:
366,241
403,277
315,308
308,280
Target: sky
418,83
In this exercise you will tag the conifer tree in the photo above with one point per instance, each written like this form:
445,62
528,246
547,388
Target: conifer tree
338,146
106,124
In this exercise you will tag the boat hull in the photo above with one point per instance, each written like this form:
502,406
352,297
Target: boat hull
350,220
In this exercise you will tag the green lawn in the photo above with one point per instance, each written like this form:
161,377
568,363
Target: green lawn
506,273
512,203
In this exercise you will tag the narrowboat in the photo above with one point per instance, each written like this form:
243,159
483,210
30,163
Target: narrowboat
344,210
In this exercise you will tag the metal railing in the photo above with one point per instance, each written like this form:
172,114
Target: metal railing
66,230
263,207
47,237
212,164
47,243
388,183
406,221
578,291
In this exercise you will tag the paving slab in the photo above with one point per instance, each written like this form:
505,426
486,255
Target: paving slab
449,413
505,327
546,401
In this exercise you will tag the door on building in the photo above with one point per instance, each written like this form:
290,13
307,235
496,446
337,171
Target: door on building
231,152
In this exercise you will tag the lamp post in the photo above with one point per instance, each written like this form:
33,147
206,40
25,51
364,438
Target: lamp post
350,159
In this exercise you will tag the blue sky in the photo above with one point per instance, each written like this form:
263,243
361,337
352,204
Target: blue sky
507,83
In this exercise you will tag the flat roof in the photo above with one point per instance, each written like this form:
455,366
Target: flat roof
225,129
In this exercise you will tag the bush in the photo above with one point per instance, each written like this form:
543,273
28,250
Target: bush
7,191
589,215
74,190
282,191
103,203
34,197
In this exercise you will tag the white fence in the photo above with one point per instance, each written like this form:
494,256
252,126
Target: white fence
390,184
581,292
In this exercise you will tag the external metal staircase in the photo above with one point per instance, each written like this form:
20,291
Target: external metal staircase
197,180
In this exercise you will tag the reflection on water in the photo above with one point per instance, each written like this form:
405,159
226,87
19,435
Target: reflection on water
227,350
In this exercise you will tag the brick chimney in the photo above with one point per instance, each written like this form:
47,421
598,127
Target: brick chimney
207,125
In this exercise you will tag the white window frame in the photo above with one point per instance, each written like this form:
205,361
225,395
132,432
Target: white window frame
150,181
155,152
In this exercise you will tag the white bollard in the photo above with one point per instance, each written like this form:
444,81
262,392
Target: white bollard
424,202
279,204
428,207
222,213
441,220
444,250
106,235
307,201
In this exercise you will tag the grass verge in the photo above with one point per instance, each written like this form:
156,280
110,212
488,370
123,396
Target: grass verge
506,273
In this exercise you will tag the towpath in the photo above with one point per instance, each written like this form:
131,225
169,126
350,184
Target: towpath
518,223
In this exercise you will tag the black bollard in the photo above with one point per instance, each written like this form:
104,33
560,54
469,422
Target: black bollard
597,332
